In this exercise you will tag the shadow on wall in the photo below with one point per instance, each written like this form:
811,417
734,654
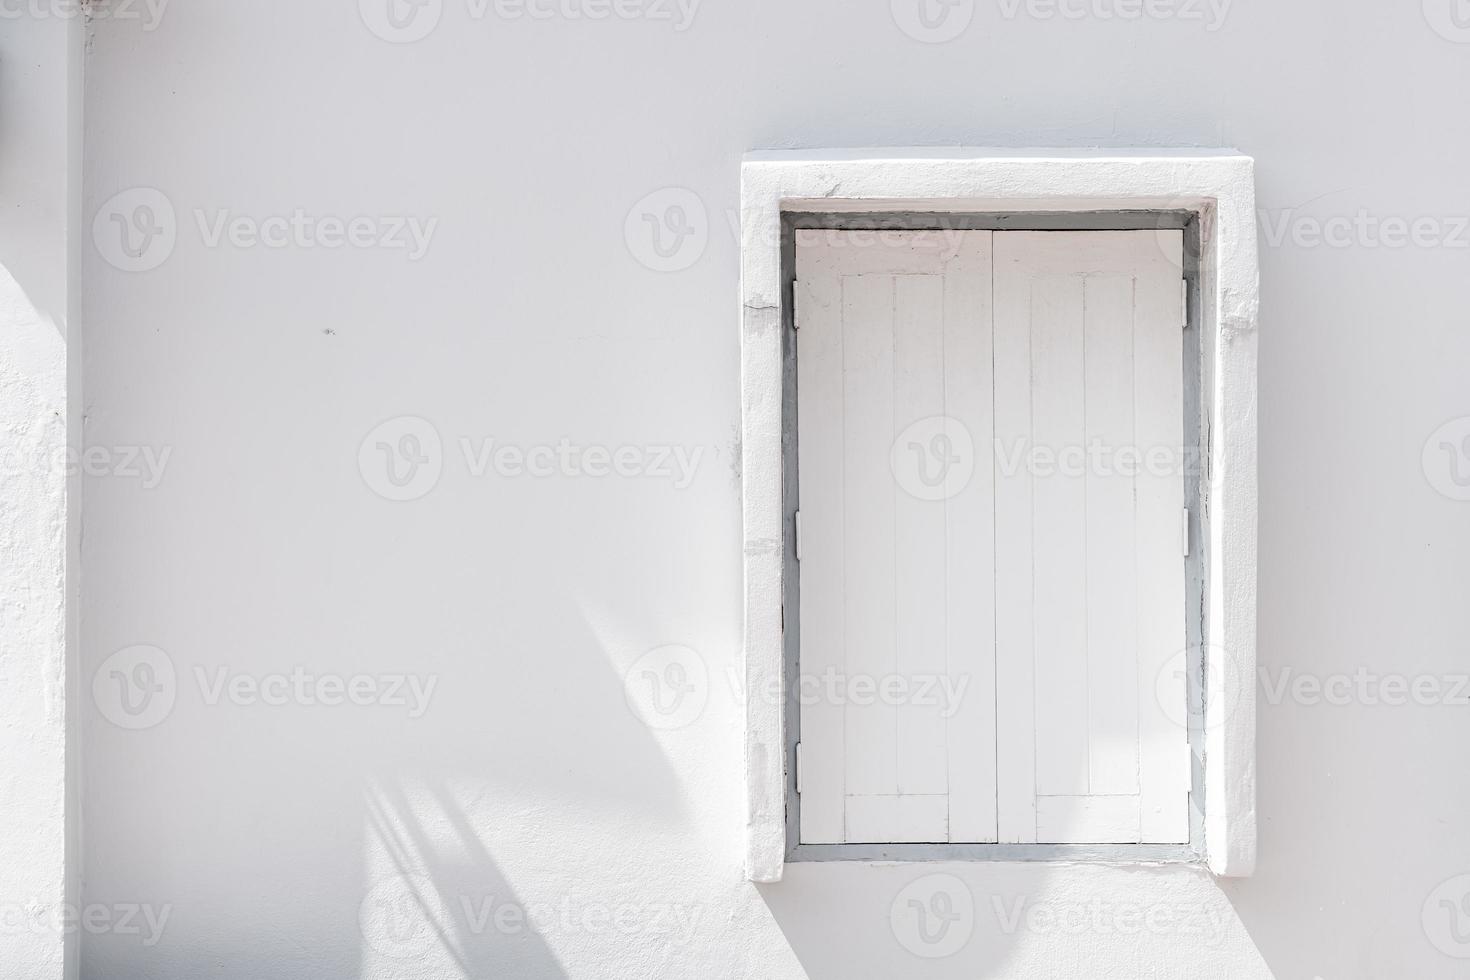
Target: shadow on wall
362,839
1011,920
437,902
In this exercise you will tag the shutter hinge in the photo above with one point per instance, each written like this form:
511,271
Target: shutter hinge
798,768
1184,530
796,519
795,305
1184,304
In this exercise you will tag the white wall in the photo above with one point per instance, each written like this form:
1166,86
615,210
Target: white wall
40,174
269,835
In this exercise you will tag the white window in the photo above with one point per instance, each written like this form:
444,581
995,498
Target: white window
992,468
1021,623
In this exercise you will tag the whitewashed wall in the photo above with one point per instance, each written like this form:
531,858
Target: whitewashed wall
556,812
40,366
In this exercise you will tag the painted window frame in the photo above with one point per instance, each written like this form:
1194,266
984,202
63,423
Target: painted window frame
1211,189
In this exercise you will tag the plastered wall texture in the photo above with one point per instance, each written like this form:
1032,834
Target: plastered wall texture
39,365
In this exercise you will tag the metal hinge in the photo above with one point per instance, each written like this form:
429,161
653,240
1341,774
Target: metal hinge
1184,531
795,305
796,519
798,768
1184,303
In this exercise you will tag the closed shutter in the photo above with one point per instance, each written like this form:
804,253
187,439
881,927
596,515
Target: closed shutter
991,568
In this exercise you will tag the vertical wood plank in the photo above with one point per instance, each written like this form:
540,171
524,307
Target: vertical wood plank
919,535
1059,537
1093,819
970,546
1158,346
1112,601
819,387
1014,643
897,819
867,318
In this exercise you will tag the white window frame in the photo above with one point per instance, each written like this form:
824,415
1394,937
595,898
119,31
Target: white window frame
1215,185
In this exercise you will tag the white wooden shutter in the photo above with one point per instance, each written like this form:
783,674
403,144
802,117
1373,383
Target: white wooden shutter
1089,352
941,555
894,589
